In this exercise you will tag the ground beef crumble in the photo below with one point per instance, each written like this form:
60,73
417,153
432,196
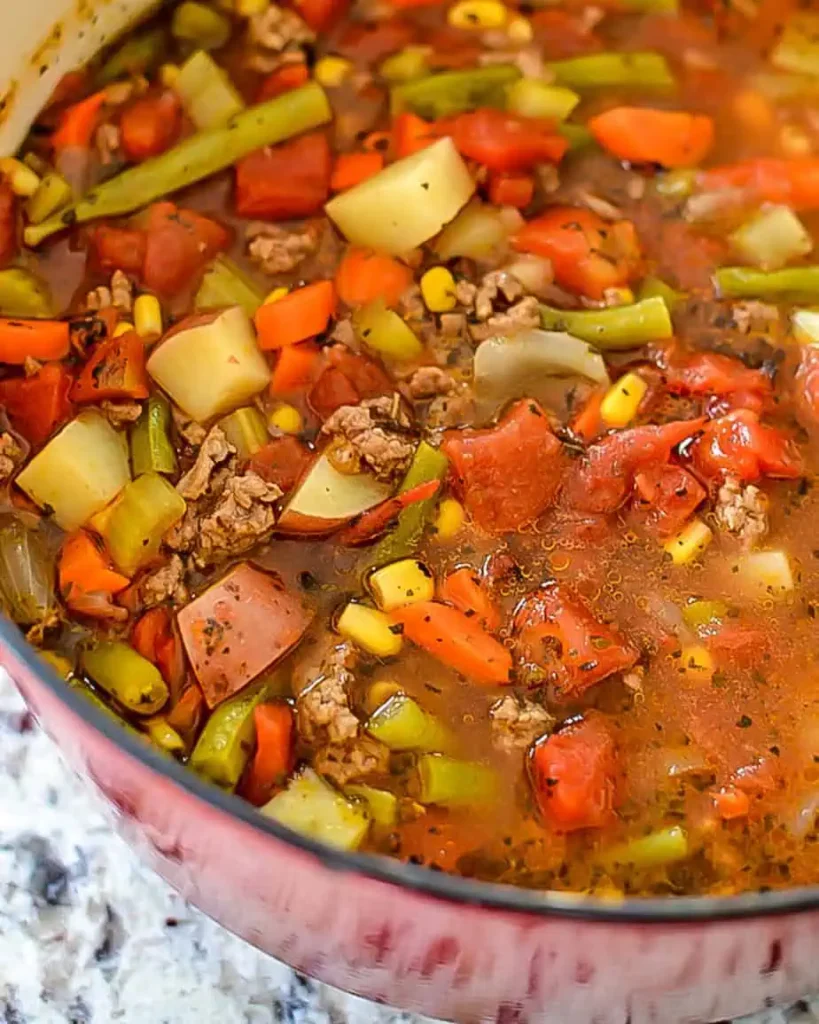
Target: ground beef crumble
11,455
323,707
446,401
277,250
244,515
120,294
353,760
742,510
165,584
120,413
375,434
191,431
523,316
215,450
518,722
279,28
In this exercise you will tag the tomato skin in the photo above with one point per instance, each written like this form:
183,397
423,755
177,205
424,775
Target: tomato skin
282,461
150,125
667,497
574,776
371,43
267,188
37,405
739,445
367,376
709,373
115,248
321,14
332,390
179,245
492,468
507,142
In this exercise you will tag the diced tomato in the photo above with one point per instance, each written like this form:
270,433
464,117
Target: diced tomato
574,775
150,125
588,254
667,497
282,461
493,468
332,390
37,405
511,190
149,631
8,223
564,34
371,43
283,79
793,183
604,480
187,713
560,634
366,375
115,248
180,244
739,445
116,369
321,14
266,186
507,142
709,373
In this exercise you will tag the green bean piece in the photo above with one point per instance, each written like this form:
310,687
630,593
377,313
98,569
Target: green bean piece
400,723
94,698
618,327
745,283
225,744
137,55
200,25
24,294
427,464
246,430
145,510
382,805
656,288
699,614
666,846
195,158
151,447
53,194
641,70
163,736
313,808
531,97
225,285
129,678
453,92
451,783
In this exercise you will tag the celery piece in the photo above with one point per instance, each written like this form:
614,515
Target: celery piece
200,25
246,430
137,56
666,846
744,283
427,464
677,184
24,294
530,97
771,238
699,614
382,330
805,326
225,744
798,47
209,97
451,783
224,284
406,65
53,194
313,808
453,92
577,135
382,805
151,448
618,327
400,723
148,507
655,287
129,678
641,70
195,158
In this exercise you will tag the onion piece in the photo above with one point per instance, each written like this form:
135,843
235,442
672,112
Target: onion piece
27,570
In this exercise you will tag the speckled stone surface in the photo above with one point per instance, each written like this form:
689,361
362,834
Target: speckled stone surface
87,934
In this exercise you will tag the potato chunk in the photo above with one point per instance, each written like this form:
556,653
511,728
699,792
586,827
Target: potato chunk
212,366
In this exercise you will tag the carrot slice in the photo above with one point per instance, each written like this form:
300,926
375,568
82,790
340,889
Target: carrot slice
274,752
644,136
464,589
149,631
298,316
294,368
78,123
511,189
364,276
283,79
411,133
587,422
731,803
457,640
84,569
352,168
40,339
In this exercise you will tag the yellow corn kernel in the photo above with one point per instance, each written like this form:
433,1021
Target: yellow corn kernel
332,71
168,75
123,327
286,418
404,582
697,664
450,519
250,8
275,295
520,30
622,400
379,693
369,629
438,290
148,316
21,178
689,543
478,14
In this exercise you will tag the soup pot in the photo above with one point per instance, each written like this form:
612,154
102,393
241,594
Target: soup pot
393,932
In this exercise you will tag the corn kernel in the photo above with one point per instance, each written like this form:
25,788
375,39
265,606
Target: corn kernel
275,295
438,290
369,629
21,178
622,400
148,316
404,582
520,30
478,14
250,8
697,664
332,71
123,327
168,75
286,418
689,543
450,519
379,693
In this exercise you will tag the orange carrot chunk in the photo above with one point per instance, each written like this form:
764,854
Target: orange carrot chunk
87,581
40,339
274,752
352,168
364,276
78,123
298,316
464,589
294,368
645,136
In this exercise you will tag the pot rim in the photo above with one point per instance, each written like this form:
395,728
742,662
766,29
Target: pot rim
417,879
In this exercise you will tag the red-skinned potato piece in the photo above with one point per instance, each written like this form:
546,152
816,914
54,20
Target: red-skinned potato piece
282,461
115,248
239,627
266,186
493,468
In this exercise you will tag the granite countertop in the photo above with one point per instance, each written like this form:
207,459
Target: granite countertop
87,934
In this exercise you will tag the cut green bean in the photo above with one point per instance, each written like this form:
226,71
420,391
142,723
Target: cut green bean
224,285
666,846
656,288
402,724
618,327
447,782
151,447
226,743
641,70
53,194
137,55
200,26
408,64
129,678
745,283
195,158
531,97
427,464
208,95
453,92
24,294
163,736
